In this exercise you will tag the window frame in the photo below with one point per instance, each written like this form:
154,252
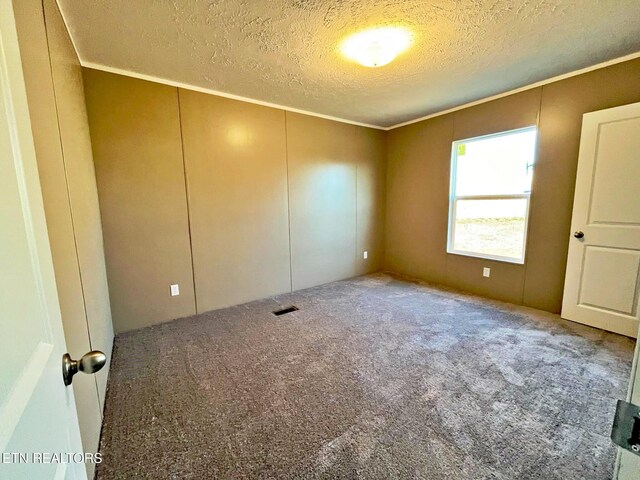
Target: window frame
453,198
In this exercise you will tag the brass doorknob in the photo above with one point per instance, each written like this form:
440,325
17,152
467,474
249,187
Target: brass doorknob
89,363
578,234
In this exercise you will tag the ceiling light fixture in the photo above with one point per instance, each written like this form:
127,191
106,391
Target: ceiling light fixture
377,46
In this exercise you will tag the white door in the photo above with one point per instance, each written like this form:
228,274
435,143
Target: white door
37,412
603,267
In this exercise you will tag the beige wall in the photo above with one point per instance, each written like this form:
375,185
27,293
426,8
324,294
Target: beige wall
562,106
313,191
336,189
273,201
81,184
53,78
371,154
322,191
417,193
236,163
137,149
419,158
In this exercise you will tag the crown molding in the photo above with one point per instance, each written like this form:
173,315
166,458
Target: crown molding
151,78
187,86
547,81
564,76
66,25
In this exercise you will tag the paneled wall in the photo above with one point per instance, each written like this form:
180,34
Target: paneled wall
231,200
371,154
75,142
419,157
236,163
322,173
137,150
337,199
562,106
53,80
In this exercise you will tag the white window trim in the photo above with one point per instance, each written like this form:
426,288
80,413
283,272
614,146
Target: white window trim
453,199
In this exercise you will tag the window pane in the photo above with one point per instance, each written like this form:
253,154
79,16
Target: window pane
495,165
494,227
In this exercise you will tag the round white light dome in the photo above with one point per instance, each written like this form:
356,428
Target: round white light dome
377,46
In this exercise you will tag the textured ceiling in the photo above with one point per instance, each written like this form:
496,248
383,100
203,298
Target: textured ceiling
285,51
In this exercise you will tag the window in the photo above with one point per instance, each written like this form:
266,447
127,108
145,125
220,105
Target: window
489,198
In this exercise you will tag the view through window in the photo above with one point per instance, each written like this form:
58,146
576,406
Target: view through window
489,197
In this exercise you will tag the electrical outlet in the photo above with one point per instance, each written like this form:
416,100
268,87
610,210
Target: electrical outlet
365,255
486,272
175,290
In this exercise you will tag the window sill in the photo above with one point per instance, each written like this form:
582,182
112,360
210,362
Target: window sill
486,256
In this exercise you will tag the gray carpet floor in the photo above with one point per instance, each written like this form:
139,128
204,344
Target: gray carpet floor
374,377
